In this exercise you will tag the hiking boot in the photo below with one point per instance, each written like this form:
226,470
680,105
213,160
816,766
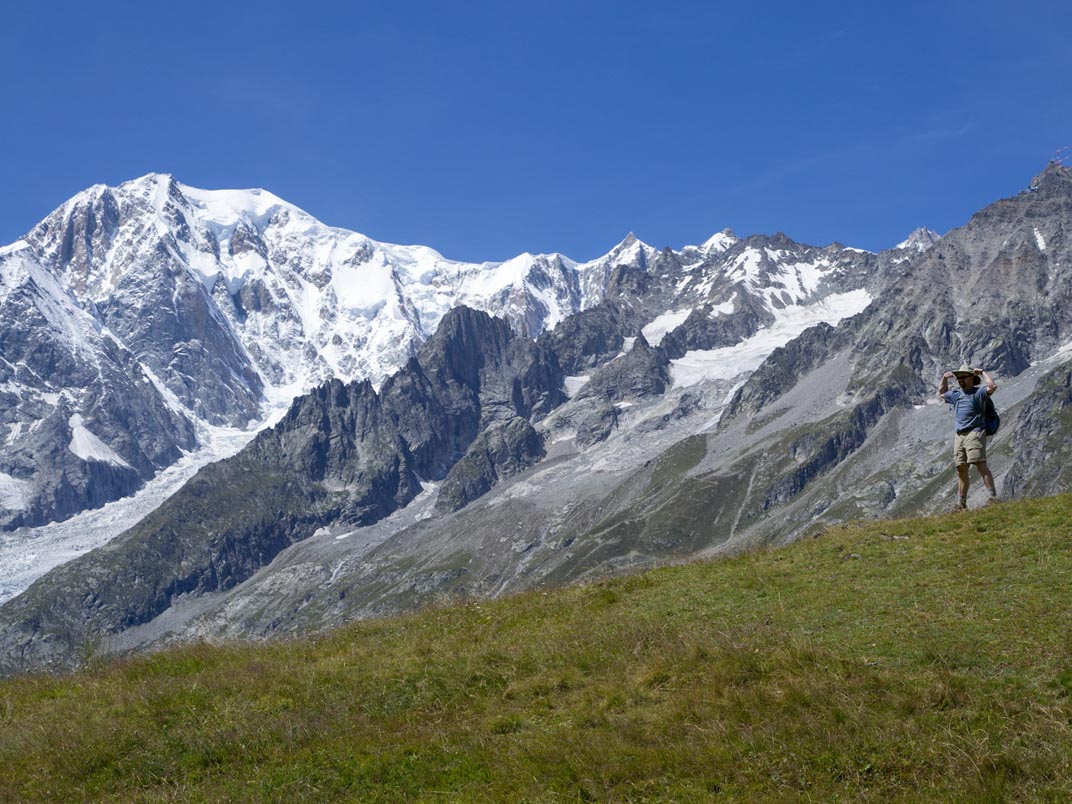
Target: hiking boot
959,507
994,501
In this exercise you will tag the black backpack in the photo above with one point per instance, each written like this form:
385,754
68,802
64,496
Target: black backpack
991,420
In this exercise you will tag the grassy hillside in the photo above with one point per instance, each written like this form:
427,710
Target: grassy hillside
921,660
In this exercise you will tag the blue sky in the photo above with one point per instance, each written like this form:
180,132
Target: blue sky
485,129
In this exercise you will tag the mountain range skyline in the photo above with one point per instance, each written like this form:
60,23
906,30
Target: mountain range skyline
236,194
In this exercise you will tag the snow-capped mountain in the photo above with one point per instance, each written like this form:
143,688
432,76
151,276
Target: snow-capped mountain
138,318
302,301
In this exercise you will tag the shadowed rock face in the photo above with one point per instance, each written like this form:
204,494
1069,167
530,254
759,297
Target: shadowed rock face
501,451
642,372
472,374
184,341
591,337
335,456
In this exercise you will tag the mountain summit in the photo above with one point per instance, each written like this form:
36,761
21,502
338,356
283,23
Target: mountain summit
920,240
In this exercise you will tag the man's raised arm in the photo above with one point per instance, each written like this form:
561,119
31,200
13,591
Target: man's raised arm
991,386
944,386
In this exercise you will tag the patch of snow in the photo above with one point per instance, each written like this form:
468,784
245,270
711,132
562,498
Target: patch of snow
18,245
713,420
726,308
1059,356
748,265
719,242
75,327
731,361
10,387
575,383
635,251
807,275
15,494
202,264
364,289
920,240
656,330
335,572
90,448
169,397
495,278
14,432
1040,240
227,208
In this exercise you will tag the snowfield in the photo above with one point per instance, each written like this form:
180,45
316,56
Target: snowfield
745,357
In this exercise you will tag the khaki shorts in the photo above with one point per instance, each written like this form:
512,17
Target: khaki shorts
969,448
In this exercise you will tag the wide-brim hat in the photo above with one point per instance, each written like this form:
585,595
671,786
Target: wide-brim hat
966,371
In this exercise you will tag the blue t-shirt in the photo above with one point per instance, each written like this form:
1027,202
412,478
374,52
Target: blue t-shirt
967,408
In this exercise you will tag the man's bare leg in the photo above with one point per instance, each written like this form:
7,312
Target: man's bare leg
962,485
988,478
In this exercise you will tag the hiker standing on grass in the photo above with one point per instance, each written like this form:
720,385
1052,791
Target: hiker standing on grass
969,445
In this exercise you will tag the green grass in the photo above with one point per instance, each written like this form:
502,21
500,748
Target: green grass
900,661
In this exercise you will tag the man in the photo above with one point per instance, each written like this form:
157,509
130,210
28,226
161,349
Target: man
969,444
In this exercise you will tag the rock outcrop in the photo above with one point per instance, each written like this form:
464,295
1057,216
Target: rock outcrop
501,451
1042,439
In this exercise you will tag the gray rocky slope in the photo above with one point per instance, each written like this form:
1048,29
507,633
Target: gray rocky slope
470,473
